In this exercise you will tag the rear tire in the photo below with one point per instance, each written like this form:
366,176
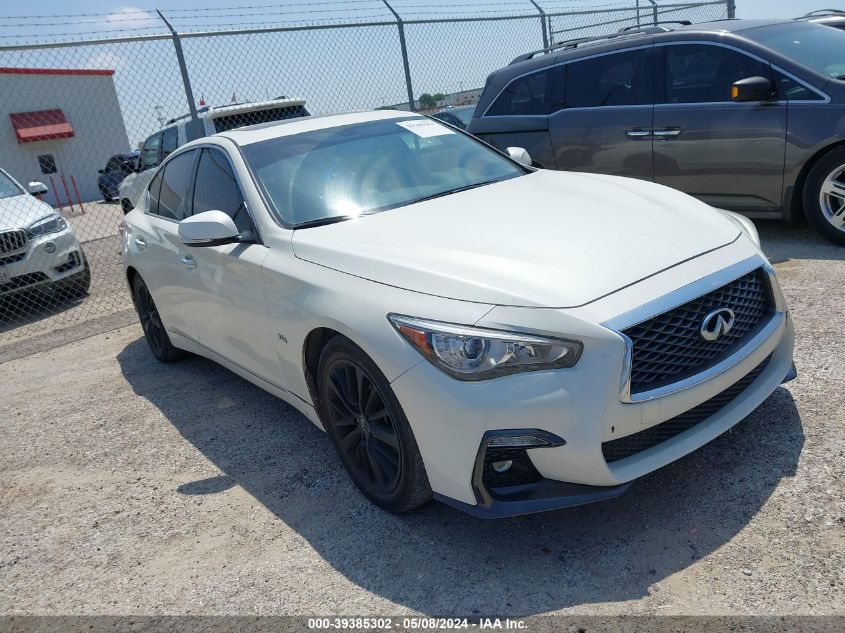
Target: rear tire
824,196
368,428
151,323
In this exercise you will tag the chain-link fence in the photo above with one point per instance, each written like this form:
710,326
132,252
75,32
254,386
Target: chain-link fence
79,103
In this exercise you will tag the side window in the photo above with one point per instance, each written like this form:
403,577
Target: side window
625,78
217,189
172,200
791,90
697,73
155,189
169,141
150,153
531,94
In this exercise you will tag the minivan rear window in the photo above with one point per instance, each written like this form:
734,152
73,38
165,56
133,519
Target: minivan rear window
240,119
528,95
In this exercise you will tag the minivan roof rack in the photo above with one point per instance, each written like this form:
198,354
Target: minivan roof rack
634,27
585,40
819,12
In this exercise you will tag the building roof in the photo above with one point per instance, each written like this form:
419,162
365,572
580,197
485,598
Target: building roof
8,70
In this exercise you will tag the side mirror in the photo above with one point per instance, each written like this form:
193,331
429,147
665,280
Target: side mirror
520,155
752,89
37,188
210,228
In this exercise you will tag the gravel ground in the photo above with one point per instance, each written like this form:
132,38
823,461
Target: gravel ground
130,487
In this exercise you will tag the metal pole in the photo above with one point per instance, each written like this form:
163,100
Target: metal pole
403,46
542,23
638,12
654,10
197,131
731,9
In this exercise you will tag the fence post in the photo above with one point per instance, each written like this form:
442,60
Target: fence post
196,130
638,12
654,10
542,23
731,9
401,26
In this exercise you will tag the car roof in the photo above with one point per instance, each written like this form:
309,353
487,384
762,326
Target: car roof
275,129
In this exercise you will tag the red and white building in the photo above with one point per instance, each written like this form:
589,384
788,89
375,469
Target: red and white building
59,122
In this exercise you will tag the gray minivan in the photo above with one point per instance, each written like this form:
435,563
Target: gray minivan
747,115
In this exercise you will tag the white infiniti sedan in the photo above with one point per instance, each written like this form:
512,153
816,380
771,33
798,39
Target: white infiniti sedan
462,326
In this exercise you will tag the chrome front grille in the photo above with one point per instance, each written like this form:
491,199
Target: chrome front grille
669,347
11,241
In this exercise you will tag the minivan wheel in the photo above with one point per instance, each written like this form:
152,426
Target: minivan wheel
824,196
151,323
368,428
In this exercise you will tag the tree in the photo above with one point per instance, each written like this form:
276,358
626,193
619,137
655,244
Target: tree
438,96
427,101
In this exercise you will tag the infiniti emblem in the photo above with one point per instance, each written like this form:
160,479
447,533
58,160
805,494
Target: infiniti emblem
717,323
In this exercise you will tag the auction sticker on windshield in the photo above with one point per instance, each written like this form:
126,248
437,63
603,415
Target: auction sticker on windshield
425,128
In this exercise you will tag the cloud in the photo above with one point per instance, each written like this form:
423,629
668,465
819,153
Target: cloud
132,17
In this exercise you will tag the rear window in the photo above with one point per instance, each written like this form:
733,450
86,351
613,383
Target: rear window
240,119
611,80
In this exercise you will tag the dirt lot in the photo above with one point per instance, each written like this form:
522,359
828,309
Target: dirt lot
130,487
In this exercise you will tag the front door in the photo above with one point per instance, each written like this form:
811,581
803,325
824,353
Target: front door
229,303
730,155
605,125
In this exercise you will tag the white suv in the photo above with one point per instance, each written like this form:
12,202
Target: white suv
37,244
213,120
463,326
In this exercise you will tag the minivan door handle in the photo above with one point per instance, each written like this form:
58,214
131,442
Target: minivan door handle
667,133
188,261
638,133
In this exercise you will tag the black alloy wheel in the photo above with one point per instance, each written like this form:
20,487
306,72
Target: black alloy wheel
151,323
369,429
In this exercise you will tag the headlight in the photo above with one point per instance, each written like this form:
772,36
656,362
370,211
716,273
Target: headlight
471,353
51,224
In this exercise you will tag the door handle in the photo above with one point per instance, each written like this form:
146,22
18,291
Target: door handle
141,243
666,133
188,261
638,133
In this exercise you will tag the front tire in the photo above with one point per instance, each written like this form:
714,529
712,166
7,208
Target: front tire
368,428
77,285
151,323
824,196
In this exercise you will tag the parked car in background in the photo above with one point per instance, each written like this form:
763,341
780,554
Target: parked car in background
747,115
827,17
117,168
212,120
509,340
38,248
458,116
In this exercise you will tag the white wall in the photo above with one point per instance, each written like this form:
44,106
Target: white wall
90,105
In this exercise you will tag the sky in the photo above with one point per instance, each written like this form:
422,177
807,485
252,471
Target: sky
332,69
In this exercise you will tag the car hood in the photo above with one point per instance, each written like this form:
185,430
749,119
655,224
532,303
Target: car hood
18,212
551,239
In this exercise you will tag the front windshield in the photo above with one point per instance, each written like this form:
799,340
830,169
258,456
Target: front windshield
354,170
818,47
8,187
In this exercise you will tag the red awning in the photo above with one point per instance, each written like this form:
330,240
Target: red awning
41,125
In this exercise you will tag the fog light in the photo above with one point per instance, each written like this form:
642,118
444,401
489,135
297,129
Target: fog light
50,248
502,467
518,441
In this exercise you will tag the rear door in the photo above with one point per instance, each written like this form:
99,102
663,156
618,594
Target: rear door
160,253
730,155
605,126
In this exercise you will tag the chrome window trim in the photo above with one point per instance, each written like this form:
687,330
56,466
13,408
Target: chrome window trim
681,296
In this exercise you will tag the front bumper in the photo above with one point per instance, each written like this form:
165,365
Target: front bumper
44,260
582,405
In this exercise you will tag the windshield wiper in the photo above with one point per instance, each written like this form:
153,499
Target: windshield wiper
323,221
455,190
